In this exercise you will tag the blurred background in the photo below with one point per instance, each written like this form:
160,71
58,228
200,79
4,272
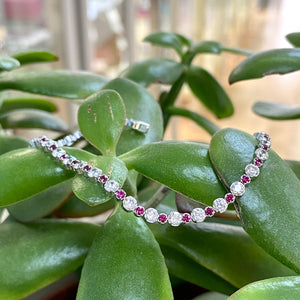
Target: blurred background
105,36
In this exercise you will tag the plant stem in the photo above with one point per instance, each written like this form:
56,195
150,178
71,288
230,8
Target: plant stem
158,197
237,51
207,125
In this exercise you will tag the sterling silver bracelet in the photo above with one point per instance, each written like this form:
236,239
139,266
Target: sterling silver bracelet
130,204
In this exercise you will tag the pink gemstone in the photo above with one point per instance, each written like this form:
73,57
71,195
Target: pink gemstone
64,156
140,210
186,218
266,148
209,211
120,194
103,178
53,147
229,198
258,162
245,179
87,168
162,218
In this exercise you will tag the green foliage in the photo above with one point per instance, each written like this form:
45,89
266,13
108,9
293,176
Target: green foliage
287,288
38,253
126,258
276,111
267,210
110,264
278,61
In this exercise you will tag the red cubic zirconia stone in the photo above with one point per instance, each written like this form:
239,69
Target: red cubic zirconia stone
209,211
162,218
186,218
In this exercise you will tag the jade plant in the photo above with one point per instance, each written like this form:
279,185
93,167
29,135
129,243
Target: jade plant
249,252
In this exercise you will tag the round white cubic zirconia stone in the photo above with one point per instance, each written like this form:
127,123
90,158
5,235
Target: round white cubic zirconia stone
262,154
237,188
220,205
129,203
175,218
252,170
151,215
198,215
111,186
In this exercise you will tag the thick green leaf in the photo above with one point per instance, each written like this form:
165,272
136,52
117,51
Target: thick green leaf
92,192
222,249
35,56
9,143
41,204
140,105
182,166
154,70
129,267
39,172
56,83
211,296
9,104
8,63
75,208
36,254
207,125
169,40
207,47
207,89
294,38
101,118
276,61
270,207
32,118
295,166
187,269
281,288
276,111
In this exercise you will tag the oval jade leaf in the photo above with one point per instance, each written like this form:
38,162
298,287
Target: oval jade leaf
9,143
140,106
41,204
276,61
207,89
184,167
131,266
294,38
40,171
269,209
207,47
295,166
32,118
101,118
181,266
55,83
285,288
276,111
238,249
36,254
153,70
169,40
8,63
9,104
92,192
75,208
34,56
